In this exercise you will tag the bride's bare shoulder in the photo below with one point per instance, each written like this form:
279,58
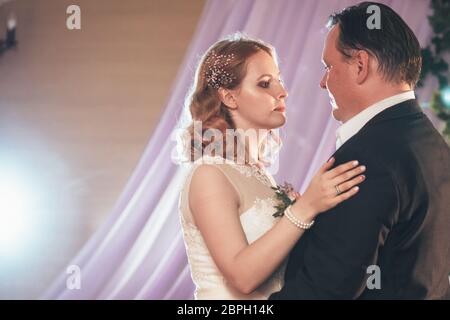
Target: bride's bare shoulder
209,183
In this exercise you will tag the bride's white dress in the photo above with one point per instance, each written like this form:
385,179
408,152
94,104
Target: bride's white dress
257,206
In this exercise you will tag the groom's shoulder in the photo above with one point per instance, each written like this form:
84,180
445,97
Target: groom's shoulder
400,127
396,139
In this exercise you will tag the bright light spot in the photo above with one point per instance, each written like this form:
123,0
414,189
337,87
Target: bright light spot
445,94
16,205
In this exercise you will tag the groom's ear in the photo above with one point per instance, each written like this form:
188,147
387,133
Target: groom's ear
362,60
227,98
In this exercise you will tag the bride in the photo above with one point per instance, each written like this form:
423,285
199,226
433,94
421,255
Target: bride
236,248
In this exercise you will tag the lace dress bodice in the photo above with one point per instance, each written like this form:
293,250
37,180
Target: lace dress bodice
257,206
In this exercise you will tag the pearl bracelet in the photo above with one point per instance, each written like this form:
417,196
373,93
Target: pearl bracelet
297,222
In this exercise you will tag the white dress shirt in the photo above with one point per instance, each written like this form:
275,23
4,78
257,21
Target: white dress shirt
352,126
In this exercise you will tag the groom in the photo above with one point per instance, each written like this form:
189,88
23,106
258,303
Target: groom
392,240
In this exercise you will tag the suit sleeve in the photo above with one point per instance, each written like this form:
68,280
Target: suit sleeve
345,241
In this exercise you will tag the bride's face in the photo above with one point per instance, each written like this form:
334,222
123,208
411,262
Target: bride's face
260,98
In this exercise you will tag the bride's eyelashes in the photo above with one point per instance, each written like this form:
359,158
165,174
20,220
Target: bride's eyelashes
266,84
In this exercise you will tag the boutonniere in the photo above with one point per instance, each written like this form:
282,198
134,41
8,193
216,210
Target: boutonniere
284,201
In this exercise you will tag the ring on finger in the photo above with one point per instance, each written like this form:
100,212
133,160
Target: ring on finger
338,191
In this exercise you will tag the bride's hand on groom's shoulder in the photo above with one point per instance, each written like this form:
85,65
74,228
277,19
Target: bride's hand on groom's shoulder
328,188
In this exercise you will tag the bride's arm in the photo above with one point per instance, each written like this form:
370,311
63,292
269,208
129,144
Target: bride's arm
214,204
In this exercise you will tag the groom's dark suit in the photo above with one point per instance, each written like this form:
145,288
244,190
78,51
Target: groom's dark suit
399,220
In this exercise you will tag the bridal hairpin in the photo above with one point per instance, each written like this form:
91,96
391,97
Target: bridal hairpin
215,73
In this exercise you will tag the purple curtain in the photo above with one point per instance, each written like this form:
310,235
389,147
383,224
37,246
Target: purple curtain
138,252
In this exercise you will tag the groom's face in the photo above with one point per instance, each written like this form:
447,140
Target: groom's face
337,79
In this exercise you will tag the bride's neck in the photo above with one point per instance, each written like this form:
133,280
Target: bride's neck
253,147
